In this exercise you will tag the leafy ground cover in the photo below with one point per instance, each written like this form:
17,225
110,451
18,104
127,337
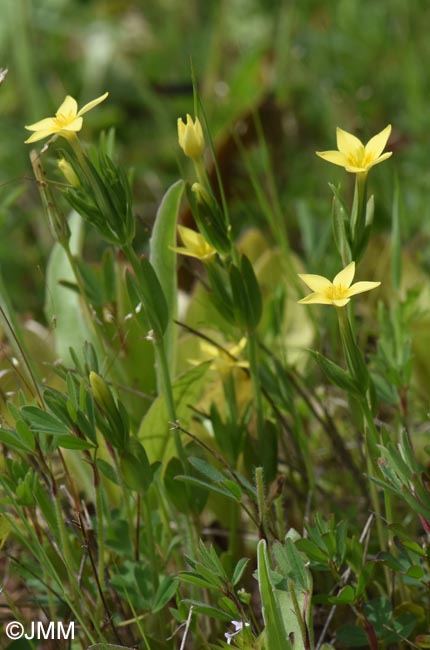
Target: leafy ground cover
214,379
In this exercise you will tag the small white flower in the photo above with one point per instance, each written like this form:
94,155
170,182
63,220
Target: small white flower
150,336
238,627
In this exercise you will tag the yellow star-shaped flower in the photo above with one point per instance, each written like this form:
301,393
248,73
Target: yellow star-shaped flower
356,157
338,292
195,245
222,361
67,120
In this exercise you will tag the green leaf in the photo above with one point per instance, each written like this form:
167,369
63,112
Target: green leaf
107,470
292,565
337,375
209,471
239,569
154,430
163,259
165,592
135,467
208,486
72,442
415,572
43,422
208,610
71,328
11,439
196,579
352,636
346,596
253,293
276,633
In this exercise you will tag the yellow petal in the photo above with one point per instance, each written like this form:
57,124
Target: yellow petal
237,349
384,156
186,251
315,282
316,299
43,125
358,170
359,287
75,125
347,143
346,276
69,108
341,303
38,135
335,157
190,238
92,104
209,349
377,144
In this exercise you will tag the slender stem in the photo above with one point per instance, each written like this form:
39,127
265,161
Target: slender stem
161,360
358,216
151,542
261,500
160,355
100,534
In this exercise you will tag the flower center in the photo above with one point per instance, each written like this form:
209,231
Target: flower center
64,120
336,292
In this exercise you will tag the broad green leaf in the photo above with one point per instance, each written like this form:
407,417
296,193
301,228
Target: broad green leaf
62,305
155,429
163,259
294,598
276,633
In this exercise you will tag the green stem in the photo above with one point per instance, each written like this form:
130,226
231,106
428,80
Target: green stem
253,367
163,368
358,216
100,537
161,359
261,499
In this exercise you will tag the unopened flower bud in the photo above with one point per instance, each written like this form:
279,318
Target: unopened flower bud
190,136
68,172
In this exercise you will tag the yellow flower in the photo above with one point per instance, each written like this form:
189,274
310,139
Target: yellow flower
195,245
354,155
337,292
222,360
190,136
67,120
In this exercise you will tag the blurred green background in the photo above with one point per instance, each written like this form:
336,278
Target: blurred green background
302,67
